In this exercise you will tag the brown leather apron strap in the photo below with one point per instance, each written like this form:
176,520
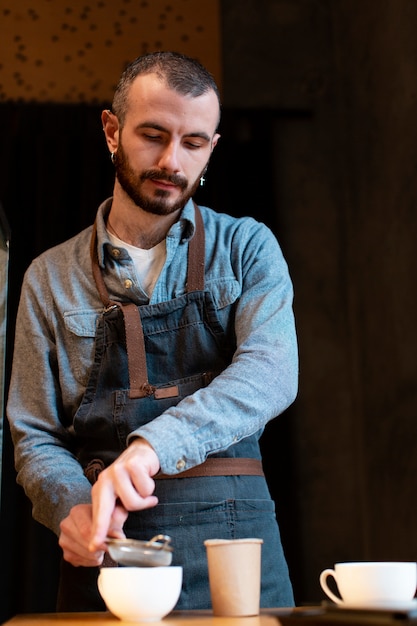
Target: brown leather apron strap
139,385
135,346
213,466
196,255
216,466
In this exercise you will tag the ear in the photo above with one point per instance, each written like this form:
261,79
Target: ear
214,141
111,129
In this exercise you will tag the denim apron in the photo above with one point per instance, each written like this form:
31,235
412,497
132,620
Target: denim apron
182,347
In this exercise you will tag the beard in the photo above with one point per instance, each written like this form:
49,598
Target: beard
160,203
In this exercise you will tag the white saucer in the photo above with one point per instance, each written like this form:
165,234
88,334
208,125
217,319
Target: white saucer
411,605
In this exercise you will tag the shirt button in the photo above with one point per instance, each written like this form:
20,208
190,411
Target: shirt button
128,283
116,252
180,465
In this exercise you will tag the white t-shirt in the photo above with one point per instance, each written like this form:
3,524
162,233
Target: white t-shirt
148,263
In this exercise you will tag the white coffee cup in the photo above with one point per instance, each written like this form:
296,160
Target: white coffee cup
372,583
144,594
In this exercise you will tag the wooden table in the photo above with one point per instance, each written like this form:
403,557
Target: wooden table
300,616
176,618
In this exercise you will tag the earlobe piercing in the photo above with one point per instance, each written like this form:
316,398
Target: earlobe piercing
202,179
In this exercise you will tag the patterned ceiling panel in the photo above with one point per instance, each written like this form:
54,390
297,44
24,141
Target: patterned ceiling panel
73,51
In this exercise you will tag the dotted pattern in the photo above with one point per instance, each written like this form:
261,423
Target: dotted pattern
72,51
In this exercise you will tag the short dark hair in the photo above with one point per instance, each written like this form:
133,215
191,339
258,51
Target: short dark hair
181,73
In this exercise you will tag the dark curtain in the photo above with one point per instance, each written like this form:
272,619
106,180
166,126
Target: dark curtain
55,171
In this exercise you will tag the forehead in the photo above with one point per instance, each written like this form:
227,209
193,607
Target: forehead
150,99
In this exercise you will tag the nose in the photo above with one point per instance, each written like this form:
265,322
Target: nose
169,158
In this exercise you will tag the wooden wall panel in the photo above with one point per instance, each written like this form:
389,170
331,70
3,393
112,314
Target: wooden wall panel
377,68
344,164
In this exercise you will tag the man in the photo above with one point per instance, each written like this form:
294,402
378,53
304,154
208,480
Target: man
151,350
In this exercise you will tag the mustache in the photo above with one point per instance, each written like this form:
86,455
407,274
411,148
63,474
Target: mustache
174,179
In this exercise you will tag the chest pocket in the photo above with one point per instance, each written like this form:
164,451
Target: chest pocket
224,291
80,336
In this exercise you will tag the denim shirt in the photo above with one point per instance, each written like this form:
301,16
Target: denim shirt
54,346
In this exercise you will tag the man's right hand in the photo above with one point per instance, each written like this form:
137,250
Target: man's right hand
75,535
126,484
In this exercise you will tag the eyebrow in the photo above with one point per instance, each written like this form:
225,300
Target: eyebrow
155,126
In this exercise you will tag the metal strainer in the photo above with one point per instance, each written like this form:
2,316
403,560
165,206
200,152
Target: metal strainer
135,553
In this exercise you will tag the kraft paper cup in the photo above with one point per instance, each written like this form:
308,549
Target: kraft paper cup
234,567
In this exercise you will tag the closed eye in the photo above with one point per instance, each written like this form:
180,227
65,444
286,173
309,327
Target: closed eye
193,145
152,137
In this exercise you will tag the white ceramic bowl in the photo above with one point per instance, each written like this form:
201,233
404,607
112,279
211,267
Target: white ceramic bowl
140,594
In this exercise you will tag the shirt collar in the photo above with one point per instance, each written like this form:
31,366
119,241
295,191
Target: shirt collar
186,221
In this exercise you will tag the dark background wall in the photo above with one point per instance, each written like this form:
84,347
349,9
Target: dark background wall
337,81
319,141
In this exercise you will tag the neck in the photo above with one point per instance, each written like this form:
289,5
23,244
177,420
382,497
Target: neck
137,227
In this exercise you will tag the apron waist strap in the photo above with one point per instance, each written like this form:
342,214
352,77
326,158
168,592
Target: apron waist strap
216,466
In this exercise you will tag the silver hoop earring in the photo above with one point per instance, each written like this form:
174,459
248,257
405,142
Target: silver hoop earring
112,156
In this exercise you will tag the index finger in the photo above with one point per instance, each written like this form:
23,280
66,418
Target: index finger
103,505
